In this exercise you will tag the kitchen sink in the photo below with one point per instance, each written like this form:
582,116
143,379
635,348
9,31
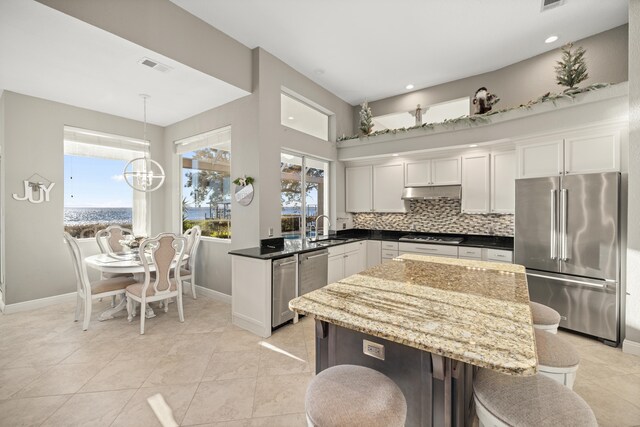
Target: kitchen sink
327,242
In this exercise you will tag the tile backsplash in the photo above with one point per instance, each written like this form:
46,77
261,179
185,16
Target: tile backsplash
437,216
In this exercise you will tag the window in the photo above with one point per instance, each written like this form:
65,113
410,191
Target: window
205,182
436,113
304,118
95,193
303,196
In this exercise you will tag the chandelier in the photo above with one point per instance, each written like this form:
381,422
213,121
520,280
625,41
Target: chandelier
143,173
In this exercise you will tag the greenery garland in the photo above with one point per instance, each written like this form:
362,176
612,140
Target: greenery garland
477,119
243,181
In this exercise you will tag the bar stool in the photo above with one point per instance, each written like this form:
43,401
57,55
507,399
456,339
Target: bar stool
544,318
537,401
350,395
557,358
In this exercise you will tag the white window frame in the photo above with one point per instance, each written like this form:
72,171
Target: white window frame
78,136
206,139
286,92
303,179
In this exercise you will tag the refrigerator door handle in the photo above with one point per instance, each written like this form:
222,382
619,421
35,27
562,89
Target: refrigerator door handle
554,227
563,225
603,286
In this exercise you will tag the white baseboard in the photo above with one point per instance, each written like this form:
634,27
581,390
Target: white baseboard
631,347
212,294
39,303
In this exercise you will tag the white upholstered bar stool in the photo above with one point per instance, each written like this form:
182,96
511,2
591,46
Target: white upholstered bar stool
350,395
544,318
537,401
557,358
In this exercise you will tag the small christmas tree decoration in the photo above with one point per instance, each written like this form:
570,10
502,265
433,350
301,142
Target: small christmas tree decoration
366,119
571,69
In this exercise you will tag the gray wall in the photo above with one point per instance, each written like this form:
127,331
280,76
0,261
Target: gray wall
523,81
38,264
633,236
168,29
257,140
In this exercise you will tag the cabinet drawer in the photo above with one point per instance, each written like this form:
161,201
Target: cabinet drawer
336,250
427,249
499,255
352,247
470,253
389,254
390,245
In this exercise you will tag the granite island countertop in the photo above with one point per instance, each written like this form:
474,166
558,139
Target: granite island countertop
472,311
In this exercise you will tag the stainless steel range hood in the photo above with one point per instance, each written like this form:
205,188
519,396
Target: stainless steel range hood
435,192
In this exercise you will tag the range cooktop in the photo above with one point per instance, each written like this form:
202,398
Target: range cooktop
434,239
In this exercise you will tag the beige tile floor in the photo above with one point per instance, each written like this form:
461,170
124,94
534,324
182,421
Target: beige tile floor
209,371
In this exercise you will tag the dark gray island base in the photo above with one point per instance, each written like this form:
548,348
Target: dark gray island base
427,323
438,390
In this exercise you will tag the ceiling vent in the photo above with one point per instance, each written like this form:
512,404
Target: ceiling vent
550,4
155,65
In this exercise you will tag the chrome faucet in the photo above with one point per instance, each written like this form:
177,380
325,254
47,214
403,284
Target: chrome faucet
319,217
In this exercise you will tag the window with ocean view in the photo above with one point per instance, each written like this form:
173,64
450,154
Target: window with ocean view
95,193
303,195
205,180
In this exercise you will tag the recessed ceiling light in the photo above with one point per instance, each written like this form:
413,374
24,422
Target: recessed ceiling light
291,117
551,39
473,145
395,154
409,87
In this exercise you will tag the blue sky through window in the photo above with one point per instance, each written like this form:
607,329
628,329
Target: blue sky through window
96,183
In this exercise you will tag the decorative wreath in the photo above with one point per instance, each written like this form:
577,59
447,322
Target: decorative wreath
244,181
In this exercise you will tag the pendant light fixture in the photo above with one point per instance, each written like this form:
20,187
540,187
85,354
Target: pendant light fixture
143,173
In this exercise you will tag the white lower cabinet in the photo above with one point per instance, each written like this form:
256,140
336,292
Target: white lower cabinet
427,249
499,255
374,256
346,260
470,253
389,251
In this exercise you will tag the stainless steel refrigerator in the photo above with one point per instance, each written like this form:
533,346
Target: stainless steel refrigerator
567,236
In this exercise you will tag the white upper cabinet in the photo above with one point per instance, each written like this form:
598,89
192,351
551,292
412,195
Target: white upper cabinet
475,183
593,153
388,185
359,195
540,159
433,172
417,174
503,182
580,152
446,171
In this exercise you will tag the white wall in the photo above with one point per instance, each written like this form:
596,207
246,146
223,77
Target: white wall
38,264
632,341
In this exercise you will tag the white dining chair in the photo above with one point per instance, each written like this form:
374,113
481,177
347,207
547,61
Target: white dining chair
108,240
166,252
187,273
88,291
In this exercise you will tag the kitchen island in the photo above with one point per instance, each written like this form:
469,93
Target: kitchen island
426,322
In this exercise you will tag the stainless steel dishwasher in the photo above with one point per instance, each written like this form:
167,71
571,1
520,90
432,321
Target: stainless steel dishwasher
283,289
312,271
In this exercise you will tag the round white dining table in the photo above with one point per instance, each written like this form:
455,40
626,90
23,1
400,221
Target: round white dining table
121,264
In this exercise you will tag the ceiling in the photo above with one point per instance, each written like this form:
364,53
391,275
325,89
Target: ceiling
48,54
357,49
371,49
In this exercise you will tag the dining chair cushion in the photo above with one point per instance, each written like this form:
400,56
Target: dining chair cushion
555,351
543,315
113,275
136,288
112,284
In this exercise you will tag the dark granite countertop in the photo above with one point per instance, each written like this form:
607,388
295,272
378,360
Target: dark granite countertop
492,242
294,246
